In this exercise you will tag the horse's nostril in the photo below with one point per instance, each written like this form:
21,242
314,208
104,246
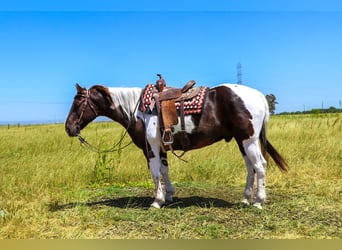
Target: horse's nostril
68,131
78,129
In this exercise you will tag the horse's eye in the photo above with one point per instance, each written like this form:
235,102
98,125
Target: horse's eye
78,98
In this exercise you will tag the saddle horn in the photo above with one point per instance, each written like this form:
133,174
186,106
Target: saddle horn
160,83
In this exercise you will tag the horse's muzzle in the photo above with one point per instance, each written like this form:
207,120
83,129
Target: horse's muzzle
73,131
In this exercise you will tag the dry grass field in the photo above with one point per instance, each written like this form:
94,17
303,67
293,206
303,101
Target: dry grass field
51,187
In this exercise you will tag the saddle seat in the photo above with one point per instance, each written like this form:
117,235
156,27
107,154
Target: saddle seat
185,93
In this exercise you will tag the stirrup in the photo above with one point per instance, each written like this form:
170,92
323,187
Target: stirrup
170,141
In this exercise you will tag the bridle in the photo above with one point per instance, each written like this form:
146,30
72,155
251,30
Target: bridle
86,102
117,146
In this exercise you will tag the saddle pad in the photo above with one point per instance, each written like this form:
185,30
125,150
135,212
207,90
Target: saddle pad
191,106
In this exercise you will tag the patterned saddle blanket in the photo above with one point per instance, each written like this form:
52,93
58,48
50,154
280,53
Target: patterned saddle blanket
193,100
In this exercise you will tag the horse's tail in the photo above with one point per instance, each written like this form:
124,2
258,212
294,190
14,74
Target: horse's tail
267,147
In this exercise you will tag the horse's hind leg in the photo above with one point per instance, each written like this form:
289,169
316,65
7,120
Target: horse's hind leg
258,163
249,182
248,193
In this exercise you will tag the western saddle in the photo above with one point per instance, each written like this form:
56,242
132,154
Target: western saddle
165,100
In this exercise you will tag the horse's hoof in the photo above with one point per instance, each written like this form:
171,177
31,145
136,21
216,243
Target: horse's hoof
155,204
245,202
257,205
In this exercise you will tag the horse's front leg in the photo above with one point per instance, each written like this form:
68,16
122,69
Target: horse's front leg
154,139
165,173
155,168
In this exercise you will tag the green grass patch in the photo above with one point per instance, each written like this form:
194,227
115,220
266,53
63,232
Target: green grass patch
52,187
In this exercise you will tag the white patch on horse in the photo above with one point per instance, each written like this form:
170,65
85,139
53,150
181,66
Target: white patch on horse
152,128
188,123
126,98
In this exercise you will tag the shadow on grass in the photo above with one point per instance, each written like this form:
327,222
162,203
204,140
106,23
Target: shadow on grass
144,202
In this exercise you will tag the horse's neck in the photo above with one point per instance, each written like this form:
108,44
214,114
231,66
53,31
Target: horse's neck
126,101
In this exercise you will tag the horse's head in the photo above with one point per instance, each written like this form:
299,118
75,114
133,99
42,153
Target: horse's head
82,111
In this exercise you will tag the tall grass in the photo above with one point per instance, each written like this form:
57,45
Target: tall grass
43,170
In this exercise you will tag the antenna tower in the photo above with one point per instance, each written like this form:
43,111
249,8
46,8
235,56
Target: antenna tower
239,73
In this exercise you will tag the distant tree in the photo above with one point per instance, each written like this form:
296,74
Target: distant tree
332,109
271,99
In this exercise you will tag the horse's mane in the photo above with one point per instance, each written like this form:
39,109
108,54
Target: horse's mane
127,98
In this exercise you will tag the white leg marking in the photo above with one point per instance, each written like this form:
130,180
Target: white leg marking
249,182
168,185
154,164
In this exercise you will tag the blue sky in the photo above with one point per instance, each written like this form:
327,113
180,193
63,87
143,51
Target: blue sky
290,49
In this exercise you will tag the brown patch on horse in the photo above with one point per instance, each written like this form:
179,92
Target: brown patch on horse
104,93
235,114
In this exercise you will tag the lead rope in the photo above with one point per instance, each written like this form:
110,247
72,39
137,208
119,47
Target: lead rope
179,156
110,150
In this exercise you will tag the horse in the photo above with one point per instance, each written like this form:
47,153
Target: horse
230,111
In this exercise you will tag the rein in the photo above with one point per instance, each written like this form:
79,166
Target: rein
110,150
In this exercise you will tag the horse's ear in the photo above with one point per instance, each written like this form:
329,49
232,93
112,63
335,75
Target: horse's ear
79,88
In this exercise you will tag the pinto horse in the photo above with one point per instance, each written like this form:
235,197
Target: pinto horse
229,111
